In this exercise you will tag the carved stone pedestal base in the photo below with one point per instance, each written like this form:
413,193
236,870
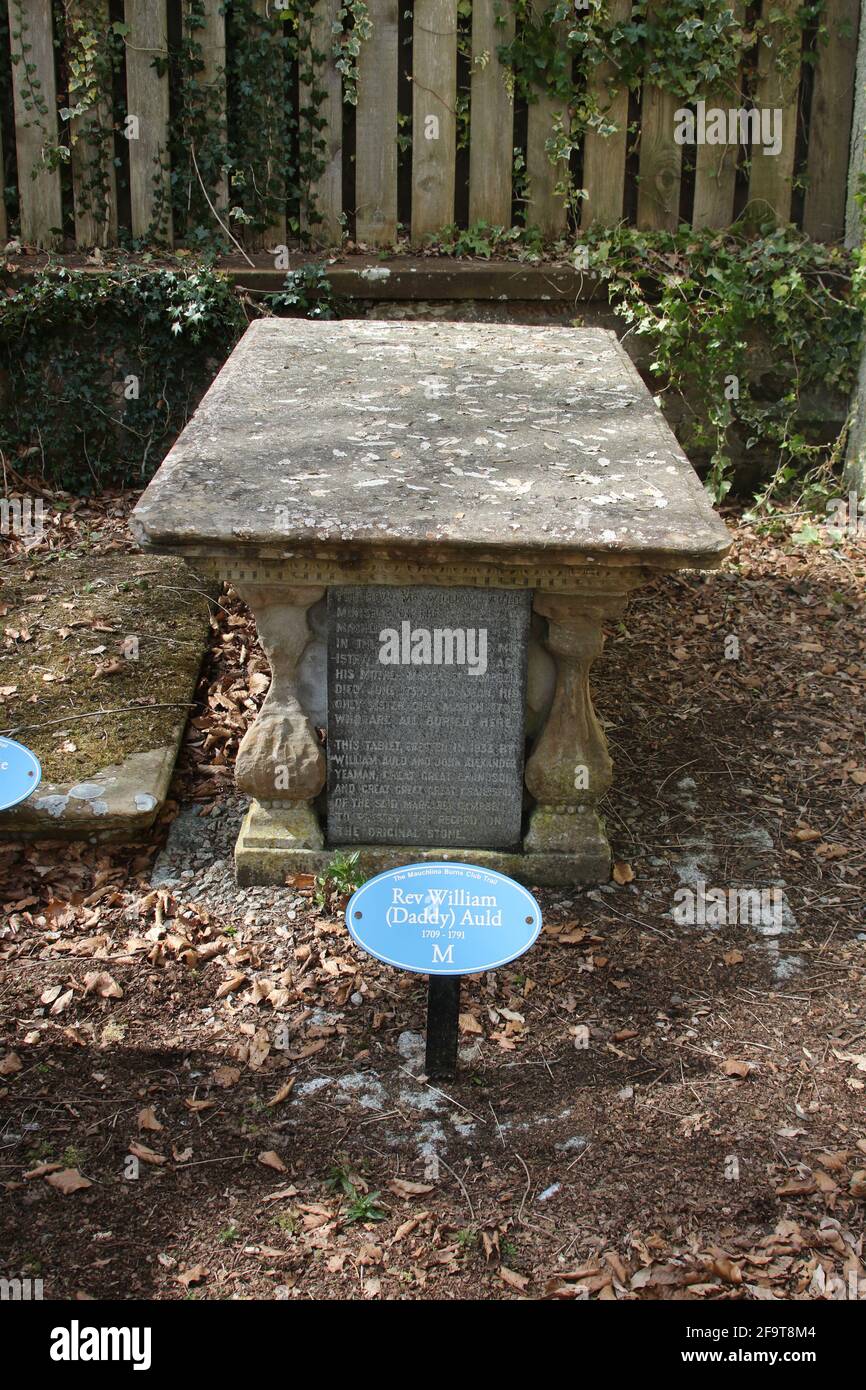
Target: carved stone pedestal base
259,863
570,770
281,765
578,835
270,835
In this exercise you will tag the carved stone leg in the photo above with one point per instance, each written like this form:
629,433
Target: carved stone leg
569,769
280,762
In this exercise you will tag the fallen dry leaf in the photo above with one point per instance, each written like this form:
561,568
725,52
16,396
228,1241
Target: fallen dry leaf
733,1067
260,1046
147,1120
146,1155
61,1003
490,1244
401,1188
68,1180
858,1058
824,1182
857,1184
407,1227
101,983
42,1170
283,1093
301,881
796,1187
834,1161
622,873
108,668
231,985
512,1278
226,1077
271,1159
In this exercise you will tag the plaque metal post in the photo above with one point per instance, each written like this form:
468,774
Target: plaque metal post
443,1008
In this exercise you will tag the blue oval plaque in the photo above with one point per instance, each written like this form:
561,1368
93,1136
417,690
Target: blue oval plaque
20,773
443,919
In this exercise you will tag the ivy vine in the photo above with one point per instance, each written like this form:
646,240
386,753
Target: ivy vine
669,45
53,152
103,370
744,330
93,55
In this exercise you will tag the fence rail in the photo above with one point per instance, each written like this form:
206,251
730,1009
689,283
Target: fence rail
104,137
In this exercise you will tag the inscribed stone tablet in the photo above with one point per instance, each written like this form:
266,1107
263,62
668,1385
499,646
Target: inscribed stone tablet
426,716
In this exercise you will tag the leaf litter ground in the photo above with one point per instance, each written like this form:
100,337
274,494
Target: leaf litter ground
208,1092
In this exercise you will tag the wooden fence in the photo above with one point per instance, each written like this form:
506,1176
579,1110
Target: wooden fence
373,177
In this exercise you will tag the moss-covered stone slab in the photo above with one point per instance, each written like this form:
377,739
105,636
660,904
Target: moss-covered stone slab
98,665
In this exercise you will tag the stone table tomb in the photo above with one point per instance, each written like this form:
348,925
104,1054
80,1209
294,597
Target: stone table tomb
431,523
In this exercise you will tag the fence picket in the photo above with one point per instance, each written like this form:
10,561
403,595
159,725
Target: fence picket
661,162
321,127
771,174
211,38
661,158
604,155
94,185
434,115
832,107
35,103
147,103
491,115
716,165
376,128
4,230
545,208
273,235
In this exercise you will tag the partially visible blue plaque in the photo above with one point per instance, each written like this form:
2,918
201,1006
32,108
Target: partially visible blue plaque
443,919
20,773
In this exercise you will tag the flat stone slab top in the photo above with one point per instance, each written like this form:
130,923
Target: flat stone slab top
477,442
